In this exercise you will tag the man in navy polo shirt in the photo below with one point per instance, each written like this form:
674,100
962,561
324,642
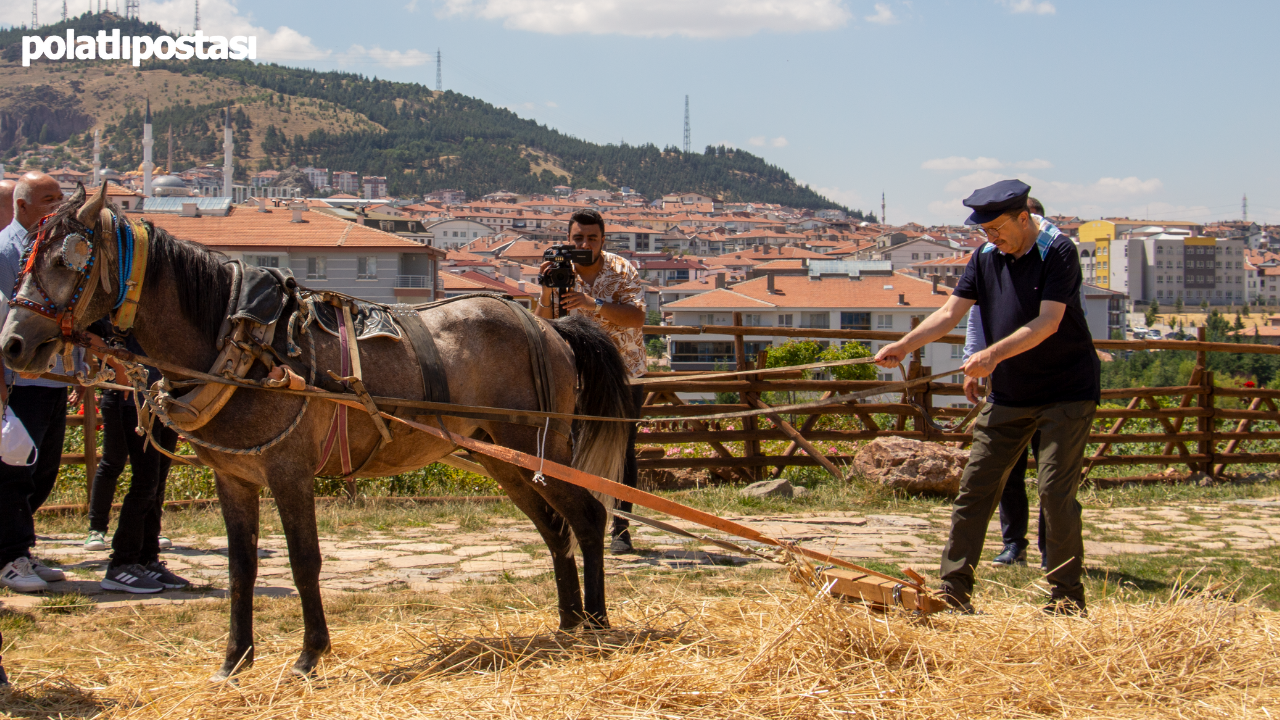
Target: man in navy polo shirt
1044,377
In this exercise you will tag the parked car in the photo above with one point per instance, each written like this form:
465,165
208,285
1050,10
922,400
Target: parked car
1153,334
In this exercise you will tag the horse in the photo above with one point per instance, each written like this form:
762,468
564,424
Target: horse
181,303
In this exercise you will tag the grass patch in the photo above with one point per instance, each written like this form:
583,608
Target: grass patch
72,603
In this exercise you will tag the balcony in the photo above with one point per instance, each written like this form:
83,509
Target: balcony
422,282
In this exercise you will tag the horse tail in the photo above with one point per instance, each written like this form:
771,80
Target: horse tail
600,447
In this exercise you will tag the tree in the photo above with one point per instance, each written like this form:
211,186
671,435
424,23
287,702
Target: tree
1204,305
849,351
794,352
1244,309
1239,323
1177,305
655,347
1151,312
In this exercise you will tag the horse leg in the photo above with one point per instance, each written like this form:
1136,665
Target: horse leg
296,502
554,531
239,502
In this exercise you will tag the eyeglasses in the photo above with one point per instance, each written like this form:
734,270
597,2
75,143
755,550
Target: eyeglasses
995,231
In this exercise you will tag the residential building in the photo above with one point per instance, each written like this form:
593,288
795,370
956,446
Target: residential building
318,177
324,252
455,232
346,181
375,186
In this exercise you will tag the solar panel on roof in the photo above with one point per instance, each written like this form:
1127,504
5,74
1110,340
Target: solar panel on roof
207,205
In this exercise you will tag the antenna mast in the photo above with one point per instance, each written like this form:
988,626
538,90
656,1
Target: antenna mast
35,20
64,10
131,9
439,82
882,222
688,144
197,25
1244,208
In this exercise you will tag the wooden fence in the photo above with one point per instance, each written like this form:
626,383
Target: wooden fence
1197,425
1200,428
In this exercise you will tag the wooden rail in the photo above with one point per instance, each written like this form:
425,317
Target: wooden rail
1198,425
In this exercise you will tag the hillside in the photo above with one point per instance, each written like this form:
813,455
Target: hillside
421,140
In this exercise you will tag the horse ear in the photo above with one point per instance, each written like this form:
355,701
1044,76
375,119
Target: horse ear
77,197
88,213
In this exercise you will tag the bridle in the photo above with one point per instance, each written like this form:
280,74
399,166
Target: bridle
80,254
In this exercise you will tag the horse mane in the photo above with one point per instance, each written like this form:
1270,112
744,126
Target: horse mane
203,282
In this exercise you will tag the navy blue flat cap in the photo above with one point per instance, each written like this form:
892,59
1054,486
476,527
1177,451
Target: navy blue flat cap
992,201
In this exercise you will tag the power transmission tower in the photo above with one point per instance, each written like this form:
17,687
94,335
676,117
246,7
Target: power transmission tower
131,9
64,10
439,82
1244,209
688,143
197,25
35,19
882,222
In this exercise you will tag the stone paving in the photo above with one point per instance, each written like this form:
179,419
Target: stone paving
439,557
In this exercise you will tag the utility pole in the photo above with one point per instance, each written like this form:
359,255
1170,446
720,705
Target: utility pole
439,81
688,144
1244,208
882,221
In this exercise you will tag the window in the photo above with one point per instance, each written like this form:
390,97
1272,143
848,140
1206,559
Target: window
884,322
957,378
1159,264
316,268
915,256
816,320
1159,279
855,321
885,377
707,319
387,225
367,267
1159,249
886,256
784,320
957,352
928,256
271,261
752,319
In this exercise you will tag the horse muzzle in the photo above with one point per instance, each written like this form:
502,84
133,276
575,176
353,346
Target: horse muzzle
28,341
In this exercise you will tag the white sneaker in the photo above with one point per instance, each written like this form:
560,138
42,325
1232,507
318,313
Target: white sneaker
20,576
165,543
47,573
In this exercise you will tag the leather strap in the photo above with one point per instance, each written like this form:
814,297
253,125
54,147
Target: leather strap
434,382
539,367
124,317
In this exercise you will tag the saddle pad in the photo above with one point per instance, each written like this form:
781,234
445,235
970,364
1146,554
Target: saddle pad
370,320
262,294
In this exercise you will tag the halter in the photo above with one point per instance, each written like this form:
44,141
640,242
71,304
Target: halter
131,246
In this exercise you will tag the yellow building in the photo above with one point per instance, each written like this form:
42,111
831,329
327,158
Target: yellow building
1100,233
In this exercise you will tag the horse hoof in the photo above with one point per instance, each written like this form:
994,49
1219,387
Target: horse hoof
597,624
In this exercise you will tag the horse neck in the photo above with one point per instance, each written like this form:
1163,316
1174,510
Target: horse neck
163,329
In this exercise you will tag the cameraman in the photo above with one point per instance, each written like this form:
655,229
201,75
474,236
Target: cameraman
607,292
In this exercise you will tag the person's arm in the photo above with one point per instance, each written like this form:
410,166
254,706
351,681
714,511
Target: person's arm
983,362
935,326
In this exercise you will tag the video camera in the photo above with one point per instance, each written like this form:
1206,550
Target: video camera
560,276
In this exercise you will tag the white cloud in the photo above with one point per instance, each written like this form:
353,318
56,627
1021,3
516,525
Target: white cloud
1102,197
656,18
1044,7
757,141
412,7
224,17
848,198
778,142
761,141
884,15
982,163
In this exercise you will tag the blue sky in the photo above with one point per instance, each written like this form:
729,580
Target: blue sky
1154,109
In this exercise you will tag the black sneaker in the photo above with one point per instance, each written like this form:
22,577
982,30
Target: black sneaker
1012,555
1066,607
958,600
132,578
621,544
160,572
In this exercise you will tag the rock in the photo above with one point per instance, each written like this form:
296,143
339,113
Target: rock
770,488
1200,478
912,465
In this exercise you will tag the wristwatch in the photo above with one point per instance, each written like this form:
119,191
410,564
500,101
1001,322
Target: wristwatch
599,305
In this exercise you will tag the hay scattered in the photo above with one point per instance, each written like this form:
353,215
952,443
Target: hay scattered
678,654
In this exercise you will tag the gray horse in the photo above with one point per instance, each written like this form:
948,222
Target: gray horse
486,359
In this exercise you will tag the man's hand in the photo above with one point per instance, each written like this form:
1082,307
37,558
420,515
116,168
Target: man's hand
892,355
73,397
972,389
571,300
980,364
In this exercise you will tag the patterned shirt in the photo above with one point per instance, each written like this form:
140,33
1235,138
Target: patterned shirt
618,282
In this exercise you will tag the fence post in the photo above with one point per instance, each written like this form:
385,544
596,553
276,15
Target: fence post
913,371
1205,424
90,429
750,448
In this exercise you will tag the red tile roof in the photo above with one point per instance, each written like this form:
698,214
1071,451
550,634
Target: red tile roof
247,228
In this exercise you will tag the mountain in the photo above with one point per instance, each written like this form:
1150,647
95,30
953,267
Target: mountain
419,139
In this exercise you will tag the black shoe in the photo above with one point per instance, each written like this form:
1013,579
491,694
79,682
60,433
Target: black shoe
1012,555
621,544
1066,607
160,572
958,600
130,578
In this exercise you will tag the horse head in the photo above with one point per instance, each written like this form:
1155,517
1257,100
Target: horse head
70,247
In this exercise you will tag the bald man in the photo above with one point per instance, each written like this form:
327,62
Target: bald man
40,404
6,205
